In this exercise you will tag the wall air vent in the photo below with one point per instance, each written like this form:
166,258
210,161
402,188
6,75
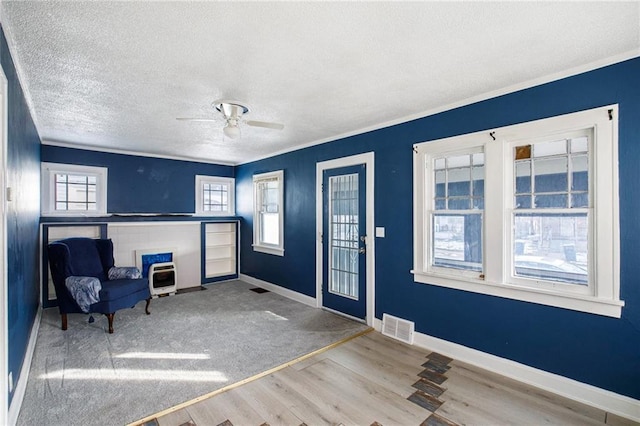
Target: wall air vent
397,328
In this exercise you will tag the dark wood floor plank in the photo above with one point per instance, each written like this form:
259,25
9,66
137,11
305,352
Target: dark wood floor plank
424,400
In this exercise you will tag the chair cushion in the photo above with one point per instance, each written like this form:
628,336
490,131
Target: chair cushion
84,290
84,258
124,272
115,289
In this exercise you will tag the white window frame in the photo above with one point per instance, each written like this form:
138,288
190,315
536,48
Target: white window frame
603,294
48,172
274,249
201,180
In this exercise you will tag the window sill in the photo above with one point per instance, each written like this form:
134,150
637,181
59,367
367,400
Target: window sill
92,214
210,214
269,250
575,302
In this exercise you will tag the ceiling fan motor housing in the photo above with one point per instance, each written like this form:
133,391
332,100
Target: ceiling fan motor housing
231,109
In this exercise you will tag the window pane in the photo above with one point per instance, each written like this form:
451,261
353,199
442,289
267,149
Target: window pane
457,241
580,173
523,202
459,182
76,189
77,206
270,228
478,159
457,237
478,203
560,179
580,144
579,199
459,203
550,174
523,177
75,192
477,174
215,197
458,161
77,179
551,201
551,247
61,192
544,149
440,183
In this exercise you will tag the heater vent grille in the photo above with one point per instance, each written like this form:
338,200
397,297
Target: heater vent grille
397,328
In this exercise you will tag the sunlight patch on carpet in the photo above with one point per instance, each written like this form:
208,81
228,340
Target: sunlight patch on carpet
162,355
276,316
125,374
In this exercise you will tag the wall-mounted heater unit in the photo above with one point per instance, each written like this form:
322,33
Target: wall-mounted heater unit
162,278
398,328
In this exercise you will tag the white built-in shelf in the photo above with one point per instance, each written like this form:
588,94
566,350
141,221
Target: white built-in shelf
220,249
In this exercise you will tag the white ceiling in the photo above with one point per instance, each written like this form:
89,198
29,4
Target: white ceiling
115,75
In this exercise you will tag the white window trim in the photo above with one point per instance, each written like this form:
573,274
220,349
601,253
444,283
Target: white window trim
605,230
230,182
277,250
49,170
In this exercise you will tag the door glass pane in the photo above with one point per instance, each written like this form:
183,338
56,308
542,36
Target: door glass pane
344,233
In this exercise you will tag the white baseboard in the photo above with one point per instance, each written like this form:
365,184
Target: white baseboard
603,399
290,294
21,384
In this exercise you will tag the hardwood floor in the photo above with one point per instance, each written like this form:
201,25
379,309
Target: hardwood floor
375,380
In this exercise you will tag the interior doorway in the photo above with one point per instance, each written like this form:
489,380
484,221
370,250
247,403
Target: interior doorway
345,244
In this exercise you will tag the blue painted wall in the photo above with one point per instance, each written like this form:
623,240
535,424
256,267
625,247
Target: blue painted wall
600,351
139,184
23,214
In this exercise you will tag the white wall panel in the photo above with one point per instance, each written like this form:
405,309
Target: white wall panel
182,238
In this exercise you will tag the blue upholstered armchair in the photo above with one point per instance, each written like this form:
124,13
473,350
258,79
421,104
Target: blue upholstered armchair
86,281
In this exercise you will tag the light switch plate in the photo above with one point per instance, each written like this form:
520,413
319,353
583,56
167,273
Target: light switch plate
380,231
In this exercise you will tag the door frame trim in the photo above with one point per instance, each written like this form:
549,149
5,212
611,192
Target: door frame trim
4,298
367,159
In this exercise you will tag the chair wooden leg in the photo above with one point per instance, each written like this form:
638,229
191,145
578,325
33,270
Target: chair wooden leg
64,321
146,308
110,318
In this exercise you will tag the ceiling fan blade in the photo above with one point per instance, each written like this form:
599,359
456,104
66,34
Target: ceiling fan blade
195,119
276,126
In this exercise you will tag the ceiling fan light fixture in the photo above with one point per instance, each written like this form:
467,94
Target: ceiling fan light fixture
231,131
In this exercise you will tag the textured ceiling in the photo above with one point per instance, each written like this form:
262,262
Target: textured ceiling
115,75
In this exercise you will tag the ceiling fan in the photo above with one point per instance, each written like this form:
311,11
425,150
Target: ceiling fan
232,111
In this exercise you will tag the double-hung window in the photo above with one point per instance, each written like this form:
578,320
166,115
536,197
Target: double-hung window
73,190
527,212
455,211
215,196
268,218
